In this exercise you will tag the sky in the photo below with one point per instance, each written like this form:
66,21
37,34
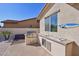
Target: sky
19,11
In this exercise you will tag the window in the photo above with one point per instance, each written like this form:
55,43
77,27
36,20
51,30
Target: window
54,23
47,24
51,23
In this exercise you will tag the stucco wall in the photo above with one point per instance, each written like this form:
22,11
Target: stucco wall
10,25
23,24
67,14
16,31
19,30
28,23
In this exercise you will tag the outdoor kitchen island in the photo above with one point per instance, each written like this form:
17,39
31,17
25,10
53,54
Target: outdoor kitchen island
57,46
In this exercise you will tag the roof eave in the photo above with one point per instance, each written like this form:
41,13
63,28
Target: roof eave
46,8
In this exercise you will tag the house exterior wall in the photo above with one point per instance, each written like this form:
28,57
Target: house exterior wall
10,25
29,23
67,14
23,24
19,30
15,31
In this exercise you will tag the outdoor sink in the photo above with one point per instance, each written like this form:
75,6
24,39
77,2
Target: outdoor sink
58,39
47,35
62,39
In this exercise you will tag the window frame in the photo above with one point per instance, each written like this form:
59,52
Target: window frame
50,21
56,22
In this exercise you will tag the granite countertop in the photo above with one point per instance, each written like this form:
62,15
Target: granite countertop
62,41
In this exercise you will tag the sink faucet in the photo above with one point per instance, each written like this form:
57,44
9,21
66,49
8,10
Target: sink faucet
47,35
62,39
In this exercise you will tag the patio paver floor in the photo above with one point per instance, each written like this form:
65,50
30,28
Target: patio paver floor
21,49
